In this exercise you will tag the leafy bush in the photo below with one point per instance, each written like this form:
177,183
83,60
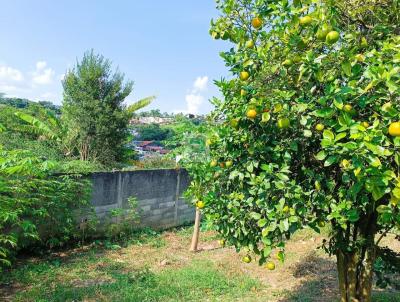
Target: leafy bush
36,206
122,222
80,167
155,162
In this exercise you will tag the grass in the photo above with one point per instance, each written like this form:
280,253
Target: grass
152,266
110,281
195,281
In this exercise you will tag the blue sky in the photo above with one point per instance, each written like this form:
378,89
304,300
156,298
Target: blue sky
163,46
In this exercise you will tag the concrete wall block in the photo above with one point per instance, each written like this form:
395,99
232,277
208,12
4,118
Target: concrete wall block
144,208
155,190
164,211
187,214
183,207
145,202
185,220
168,204
186,209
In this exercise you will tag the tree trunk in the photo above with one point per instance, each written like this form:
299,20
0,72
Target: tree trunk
196,231
355,271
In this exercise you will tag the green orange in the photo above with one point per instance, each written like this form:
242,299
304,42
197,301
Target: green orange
234,123
287,63
250,44
283,123
348,108
332,37
305,21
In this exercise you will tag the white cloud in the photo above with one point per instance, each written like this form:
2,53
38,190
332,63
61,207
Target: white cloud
193,103
41,65
9,74
194,99
35,84
200,83
42,75
11,80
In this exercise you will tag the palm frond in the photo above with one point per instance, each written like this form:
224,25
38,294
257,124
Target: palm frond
51,118
140,104
38,127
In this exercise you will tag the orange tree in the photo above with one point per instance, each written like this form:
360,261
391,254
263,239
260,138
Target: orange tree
308,130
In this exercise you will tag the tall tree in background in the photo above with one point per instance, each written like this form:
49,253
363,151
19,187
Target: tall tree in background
93,109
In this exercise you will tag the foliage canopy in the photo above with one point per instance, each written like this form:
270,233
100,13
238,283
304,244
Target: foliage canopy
304,126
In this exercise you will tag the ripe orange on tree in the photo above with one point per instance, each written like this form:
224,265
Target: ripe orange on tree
394,129
257,22
244,75
200,204
251,113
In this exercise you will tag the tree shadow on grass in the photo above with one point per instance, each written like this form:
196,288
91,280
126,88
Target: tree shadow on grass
319,280
320,283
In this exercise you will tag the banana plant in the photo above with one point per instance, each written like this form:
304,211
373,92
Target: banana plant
140,104
47,127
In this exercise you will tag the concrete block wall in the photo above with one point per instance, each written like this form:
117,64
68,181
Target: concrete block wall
158,193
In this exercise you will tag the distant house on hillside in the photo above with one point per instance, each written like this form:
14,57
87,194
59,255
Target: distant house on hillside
145,145
151,120
149,147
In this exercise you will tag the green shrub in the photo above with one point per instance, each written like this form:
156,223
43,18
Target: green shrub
121,223
37,206
155,162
